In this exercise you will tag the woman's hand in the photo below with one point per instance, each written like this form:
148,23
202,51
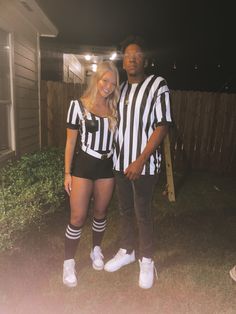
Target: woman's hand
67,183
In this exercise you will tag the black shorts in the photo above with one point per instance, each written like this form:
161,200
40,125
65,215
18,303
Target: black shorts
89,167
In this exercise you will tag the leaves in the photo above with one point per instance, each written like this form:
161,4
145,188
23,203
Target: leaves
29,189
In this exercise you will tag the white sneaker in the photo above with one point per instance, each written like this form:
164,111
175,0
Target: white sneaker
119,260
146,275
69,273
97,258
232,273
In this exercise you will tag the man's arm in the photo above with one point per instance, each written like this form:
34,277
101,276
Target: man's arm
134,170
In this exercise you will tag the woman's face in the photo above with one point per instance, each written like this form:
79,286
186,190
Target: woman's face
106,84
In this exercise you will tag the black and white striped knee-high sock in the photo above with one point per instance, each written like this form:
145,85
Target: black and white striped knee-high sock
72,237
99,226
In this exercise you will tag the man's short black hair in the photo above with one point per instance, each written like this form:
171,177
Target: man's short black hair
133,40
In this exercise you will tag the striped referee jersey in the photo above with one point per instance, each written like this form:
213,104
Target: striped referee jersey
98,137
142,107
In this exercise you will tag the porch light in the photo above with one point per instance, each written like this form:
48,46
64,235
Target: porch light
87,57
94,67
113,56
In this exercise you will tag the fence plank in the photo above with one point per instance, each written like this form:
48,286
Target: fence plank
169,170
197,124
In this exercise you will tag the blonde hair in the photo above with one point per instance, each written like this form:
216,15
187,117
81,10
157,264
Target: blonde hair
89,96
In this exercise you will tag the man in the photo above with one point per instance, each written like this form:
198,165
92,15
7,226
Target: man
144,116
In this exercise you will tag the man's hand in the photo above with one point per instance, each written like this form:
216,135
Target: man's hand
134,170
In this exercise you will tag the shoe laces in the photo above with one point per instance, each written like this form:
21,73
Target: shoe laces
119,254
145,267
97,253
69,270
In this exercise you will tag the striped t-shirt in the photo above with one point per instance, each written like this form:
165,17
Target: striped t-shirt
98,138
142,107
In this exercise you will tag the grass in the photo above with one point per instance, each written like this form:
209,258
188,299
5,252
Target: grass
195,249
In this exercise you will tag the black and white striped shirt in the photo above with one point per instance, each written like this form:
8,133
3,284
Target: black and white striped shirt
100,139
142,107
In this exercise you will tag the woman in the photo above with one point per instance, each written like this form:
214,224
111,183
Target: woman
88,168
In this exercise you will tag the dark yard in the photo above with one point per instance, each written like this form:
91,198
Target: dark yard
195,249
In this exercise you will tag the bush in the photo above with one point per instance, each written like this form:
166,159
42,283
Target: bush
29,189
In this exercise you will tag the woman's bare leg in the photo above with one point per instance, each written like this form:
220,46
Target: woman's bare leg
102,193
81,191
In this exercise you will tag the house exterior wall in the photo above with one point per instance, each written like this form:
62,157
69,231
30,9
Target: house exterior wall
24,27
73,70
61,67
51,65
26,95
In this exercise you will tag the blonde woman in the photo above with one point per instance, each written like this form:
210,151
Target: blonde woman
88,167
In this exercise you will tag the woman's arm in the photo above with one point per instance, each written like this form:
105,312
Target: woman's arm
71,139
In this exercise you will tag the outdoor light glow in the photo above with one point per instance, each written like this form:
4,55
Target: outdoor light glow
94,67
113,56
48,35
88,57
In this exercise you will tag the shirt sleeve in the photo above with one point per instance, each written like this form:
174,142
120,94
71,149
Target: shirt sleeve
74,115
162,105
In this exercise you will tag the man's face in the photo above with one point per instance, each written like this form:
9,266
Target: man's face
133,61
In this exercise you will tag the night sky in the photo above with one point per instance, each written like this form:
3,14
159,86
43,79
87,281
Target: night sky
191,42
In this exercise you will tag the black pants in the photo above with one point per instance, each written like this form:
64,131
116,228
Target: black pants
135,201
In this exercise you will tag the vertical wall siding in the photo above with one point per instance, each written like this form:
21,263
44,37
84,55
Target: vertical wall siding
26,96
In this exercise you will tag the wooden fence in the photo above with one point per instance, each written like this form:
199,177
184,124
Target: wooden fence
55,100
204,133
203,136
